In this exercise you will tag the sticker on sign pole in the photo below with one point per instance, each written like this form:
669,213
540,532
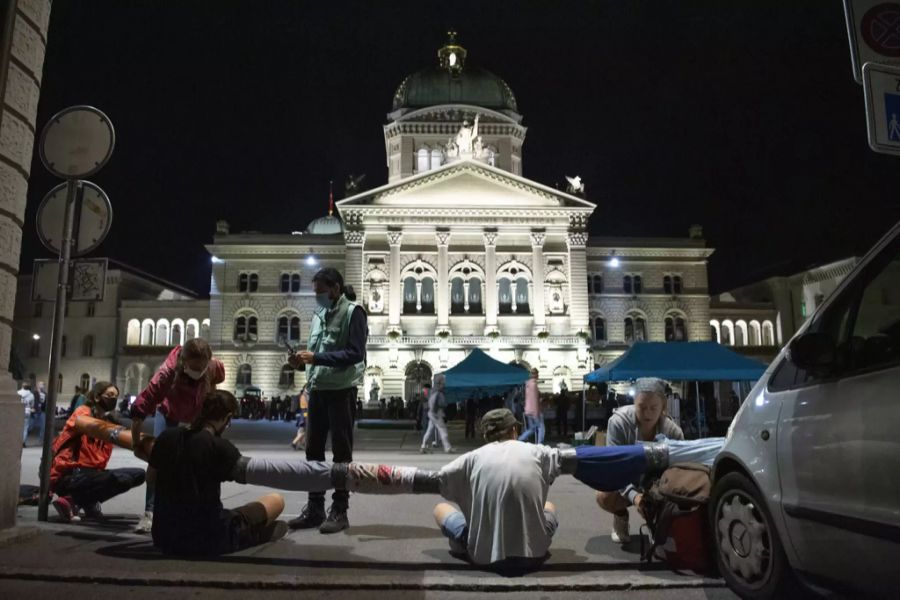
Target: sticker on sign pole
881,84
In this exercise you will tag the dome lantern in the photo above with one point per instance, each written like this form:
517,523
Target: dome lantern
452,56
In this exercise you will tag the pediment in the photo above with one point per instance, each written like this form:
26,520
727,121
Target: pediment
465,184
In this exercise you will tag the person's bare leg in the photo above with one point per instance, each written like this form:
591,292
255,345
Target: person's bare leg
550,507
441,511
274,506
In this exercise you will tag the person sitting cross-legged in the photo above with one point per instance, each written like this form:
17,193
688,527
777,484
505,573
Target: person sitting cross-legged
503,519
78,473
191,465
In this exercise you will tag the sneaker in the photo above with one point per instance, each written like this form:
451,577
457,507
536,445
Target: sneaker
93,511
451,451
273,532
145,525
311,516
66,509
620,533
424,450
337,521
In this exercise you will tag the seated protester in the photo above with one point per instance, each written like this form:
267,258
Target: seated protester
78,474
191,464
640,422
504,519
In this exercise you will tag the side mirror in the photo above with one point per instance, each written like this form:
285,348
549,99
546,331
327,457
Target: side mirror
815,352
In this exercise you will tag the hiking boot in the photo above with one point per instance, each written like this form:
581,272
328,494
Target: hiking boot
620,533
337,521
93,511
311,516
145,525
66,509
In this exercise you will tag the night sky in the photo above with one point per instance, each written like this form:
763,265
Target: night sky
739,115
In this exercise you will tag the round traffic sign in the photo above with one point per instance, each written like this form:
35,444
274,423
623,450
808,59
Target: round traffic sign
880,28
93,218
77,142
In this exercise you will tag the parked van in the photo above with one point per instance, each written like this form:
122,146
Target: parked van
807,487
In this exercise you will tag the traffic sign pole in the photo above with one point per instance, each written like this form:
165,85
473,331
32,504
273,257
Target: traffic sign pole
73,190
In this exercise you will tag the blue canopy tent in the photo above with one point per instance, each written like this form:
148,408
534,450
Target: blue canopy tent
478,371
688,361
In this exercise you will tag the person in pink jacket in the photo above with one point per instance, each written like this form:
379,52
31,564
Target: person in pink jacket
534,414
175,395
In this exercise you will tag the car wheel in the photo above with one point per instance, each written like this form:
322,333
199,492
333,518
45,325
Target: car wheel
747,547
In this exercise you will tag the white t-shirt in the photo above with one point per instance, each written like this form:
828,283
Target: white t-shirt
501,489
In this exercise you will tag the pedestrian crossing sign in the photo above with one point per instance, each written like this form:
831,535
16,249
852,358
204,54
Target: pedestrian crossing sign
882,90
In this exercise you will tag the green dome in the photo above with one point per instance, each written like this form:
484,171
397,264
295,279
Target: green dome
471,85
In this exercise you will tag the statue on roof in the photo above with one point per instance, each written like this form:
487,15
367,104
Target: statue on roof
466,137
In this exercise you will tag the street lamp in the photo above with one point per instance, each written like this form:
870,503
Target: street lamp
613,260
311,260
35,337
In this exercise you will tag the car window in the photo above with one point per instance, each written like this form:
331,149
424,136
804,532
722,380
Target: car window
874,339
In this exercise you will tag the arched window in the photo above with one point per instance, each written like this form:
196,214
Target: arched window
427,296
62,347
254,282
85,382
244,375
410,296
638,285
740,333
626,284
204,329
240,327
457,297
435,158
288,328
667,284
193,326
768,333
676,328
727,335
677,286
162,333
599,329
635,328
243,282
286,377
87,346
715,331
295,282
177,332
422,160
755,337
475,296
598,284
245,328
285,283
133,337
504,297
147,328
522,300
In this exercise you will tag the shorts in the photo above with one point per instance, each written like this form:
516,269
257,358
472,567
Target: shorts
245,526
455,528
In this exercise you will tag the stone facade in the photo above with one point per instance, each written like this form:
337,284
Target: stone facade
23,41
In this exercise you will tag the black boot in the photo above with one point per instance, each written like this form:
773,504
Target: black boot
311,516
337,520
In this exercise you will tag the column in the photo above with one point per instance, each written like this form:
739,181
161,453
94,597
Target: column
353,265
490,280
578,300
395,301
537,271
23,31
443,289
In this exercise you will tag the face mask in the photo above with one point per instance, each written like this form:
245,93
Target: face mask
324,300
195,375
109,404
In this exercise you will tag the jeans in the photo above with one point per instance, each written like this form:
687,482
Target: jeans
27,429
436,423
330,411
87,486
533,425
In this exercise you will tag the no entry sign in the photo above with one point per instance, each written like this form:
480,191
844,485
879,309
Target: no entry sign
873,27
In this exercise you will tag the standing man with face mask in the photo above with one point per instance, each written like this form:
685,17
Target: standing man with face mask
336,355
175,395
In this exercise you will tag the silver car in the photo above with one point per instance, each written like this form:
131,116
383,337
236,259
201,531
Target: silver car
807,487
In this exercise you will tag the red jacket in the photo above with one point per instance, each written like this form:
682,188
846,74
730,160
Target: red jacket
72,449
175,394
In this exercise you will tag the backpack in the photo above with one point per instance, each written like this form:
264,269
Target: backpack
675,507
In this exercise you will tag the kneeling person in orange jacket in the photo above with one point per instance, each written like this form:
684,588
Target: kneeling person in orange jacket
78,474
